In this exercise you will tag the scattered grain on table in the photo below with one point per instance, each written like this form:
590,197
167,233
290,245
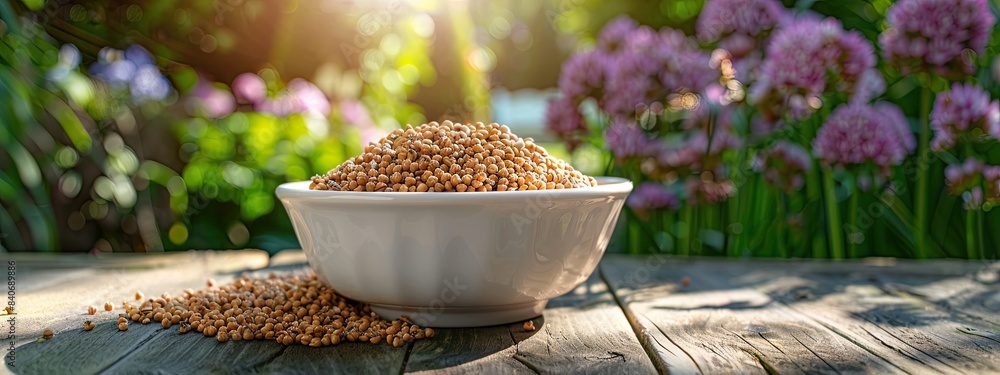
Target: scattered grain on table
290,309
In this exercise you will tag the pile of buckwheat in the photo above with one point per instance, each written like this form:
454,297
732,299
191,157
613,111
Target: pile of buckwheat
452,157
290,309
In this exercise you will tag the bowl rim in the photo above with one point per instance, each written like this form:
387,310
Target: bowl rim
606,186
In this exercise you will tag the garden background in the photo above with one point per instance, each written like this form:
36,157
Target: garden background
751,128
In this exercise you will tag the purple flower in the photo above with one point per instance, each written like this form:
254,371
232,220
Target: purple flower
738,24
708,187
965,110
895,118
807,58
249,88
209,101
583,75
652,196
931,35
641,75
148,84
133,69
626,140
857,134
617,33
964,180
356,114
138,55
695,153
564,119
785,165
309,97
991,175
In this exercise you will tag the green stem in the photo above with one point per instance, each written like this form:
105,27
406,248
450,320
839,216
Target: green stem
852,220
971,222
694,231
922,171
980,241
833,222
970,236
684,241
782,222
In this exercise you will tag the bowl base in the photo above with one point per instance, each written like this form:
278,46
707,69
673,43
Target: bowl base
457,317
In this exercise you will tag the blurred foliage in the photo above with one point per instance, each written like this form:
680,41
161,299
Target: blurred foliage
87,166
73,159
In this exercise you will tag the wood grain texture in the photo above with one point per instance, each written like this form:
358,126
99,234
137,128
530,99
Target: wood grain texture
62,308
347,358
914,335
735,316
720,324
846,315
583,331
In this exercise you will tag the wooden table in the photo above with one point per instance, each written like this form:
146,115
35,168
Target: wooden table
636,315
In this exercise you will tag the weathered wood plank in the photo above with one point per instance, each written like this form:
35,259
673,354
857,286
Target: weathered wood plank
62,308
347,358
719,323
912,334
583,331
975,296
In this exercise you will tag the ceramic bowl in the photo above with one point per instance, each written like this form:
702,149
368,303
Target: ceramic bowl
455,259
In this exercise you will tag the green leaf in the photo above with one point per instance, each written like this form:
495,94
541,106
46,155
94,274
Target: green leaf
34,5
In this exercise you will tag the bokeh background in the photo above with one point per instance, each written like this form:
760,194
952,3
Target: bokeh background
166,125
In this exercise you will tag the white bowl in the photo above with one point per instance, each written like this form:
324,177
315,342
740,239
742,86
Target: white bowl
455,259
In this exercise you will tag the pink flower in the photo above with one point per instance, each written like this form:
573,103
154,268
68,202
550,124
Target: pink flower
694,154
965,110
708,187
858,134
809,57
738,24
249,88
564,119
964,180
583,75
991,175
931,35
619,32
645,73
300,96
785,165
627,140
309,98
209,101
652,196
895,118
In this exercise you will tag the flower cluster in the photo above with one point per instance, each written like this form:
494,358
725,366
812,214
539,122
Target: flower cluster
858,134
694,153
210,101
633,67
651,67
738,25
299,96
785,165
651,196
933,35
133,69
968,180
627,140
965,110
809,57
564,119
